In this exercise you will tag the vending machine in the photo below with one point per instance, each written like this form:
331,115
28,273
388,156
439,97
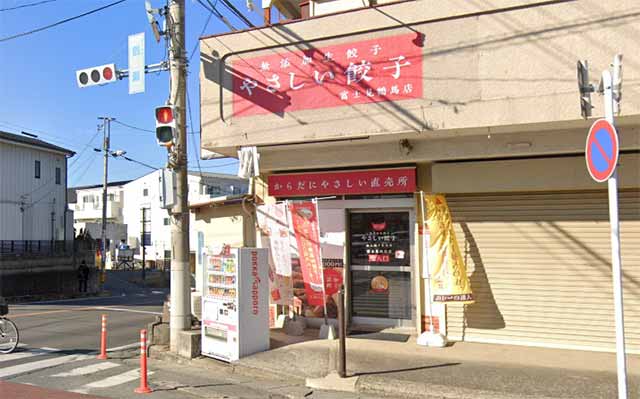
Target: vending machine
235,303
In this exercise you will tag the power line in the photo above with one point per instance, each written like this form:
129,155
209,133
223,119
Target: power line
220,166
193,137
85,147
132,127
195,47
236,12
217,13
4,39
138,162
27,5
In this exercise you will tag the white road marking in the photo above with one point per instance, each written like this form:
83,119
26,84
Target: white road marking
63,300
90,369
123,347
127,310
157,292
42,364
27,353
111,381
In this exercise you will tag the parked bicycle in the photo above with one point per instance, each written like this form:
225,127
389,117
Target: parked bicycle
9,335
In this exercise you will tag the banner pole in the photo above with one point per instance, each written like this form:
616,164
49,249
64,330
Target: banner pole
425,263
324,293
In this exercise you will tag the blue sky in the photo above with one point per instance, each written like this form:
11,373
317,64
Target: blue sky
38,91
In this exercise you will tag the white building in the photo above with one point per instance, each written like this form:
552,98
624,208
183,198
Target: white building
127,200
33,189
86,202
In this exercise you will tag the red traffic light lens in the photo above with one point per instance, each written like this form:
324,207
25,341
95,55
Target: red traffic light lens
164,115
107,73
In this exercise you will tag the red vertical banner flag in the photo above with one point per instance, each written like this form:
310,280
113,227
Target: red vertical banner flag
304,219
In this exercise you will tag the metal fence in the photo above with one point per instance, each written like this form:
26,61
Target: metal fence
13,248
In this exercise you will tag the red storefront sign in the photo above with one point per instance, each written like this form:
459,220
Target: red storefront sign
369,71
356,182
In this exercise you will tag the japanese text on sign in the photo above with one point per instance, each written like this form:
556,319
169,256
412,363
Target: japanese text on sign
379,181
384,69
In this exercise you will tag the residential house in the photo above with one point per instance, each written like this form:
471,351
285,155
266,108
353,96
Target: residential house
33,189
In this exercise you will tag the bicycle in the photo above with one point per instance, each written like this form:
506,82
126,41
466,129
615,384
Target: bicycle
9,335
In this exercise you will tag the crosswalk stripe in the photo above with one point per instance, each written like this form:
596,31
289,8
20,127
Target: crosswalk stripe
42,364
111,381
25,354
90,369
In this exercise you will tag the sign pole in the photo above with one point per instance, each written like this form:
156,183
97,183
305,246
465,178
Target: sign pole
616,262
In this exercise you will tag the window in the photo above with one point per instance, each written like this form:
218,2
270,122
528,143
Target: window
111,197
37,170
167,254
166,221
58,176
145,192
87,198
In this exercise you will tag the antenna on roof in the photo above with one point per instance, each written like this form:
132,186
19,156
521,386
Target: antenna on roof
29,134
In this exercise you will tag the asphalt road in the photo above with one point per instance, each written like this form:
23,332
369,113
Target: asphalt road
75,324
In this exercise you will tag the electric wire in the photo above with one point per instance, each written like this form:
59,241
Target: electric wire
27,5
236,12
218,15
195,46
193,137
7,38
132,127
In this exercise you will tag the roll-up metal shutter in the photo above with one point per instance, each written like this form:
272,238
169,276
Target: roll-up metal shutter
540,268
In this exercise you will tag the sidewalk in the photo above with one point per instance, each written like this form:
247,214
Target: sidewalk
464,370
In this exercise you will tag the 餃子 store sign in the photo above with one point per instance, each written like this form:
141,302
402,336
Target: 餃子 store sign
351,182
369,71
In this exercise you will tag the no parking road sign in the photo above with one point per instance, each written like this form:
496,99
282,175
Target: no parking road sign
602,150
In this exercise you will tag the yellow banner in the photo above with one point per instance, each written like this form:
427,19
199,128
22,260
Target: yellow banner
449,281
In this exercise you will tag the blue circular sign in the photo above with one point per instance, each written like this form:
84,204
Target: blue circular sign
602,150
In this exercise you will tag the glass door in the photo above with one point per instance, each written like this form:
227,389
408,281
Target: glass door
380,267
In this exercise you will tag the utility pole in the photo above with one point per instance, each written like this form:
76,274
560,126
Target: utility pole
180,319
106,129
142,240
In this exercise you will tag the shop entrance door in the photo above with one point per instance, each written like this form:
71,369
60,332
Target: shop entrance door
380,249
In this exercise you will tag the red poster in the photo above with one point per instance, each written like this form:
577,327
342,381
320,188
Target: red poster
369,71
353,182
304,219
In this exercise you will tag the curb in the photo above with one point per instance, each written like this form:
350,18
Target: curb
162,353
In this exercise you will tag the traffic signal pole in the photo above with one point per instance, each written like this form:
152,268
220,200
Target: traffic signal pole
106,128
180,313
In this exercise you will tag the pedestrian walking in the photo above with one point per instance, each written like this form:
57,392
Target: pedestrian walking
83,276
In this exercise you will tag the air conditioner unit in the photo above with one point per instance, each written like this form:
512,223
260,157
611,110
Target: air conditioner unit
196,305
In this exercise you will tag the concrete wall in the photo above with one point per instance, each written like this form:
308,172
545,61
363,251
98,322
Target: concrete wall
45,276
485,71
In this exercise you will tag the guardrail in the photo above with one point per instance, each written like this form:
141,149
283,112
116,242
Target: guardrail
12,248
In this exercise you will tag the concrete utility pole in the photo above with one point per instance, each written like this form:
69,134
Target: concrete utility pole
180,319
106,129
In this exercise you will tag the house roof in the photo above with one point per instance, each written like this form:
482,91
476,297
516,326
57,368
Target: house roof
16,138
110,184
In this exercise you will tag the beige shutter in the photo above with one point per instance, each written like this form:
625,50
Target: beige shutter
540,267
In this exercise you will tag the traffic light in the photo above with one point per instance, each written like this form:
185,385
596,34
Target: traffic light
97,75
165,125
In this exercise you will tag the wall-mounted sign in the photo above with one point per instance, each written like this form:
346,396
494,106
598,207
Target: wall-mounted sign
353,182
380,238
369,71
